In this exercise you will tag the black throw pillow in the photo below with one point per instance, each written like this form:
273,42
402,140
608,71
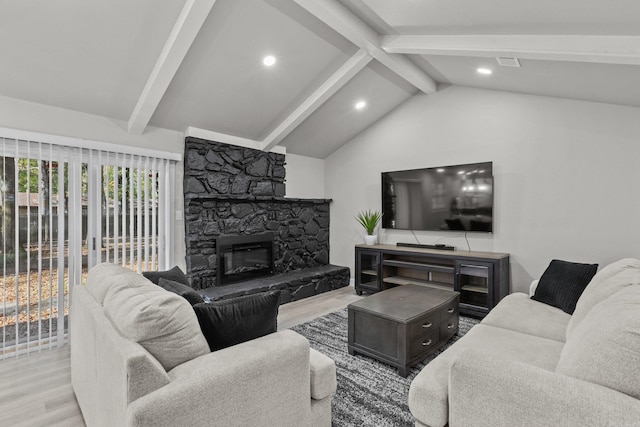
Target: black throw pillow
174,274
562,283
230,322
183,290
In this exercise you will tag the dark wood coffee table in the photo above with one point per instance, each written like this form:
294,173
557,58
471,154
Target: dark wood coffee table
403,325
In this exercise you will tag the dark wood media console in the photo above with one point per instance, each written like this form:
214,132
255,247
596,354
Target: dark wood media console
482,278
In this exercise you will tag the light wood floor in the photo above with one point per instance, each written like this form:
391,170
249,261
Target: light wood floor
35,389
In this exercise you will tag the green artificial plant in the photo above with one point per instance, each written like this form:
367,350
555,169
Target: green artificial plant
369,219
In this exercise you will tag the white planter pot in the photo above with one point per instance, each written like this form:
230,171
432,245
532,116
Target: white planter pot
371,240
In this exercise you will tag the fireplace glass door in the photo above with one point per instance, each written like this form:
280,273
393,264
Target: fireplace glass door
240,259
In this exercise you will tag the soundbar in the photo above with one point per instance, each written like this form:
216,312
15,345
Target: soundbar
418,245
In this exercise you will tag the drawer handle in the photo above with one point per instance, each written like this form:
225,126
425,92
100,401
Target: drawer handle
426,343
427,325
450,326
450,310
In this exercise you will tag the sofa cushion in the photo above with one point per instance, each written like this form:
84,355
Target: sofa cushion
235,320
160,321
175,274
428,395
606,282
184,291
562,284
520,313
605,346
104,276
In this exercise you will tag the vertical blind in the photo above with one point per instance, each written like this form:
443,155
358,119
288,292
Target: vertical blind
66,208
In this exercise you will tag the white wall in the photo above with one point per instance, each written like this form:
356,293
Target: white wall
23,115
566,180
305,177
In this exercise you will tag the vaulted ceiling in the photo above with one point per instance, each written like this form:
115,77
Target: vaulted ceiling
197,65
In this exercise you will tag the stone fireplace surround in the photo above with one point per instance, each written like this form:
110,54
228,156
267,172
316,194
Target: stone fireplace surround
232,190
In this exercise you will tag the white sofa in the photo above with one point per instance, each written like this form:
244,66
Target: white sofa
531,364
273,380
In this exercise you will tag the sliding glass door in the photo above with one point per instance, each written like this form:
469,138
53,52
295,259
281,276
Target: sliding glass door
63,210
129,207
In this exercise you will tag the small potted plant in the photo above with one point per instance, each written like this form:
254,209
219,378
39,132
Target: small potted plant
369,219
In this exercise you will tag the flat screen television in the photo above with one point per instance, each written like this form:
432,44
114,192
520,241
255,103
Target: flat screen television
458,198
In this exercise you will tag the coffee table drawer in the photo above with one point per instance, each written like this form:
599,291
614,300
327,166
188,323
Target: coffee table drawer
449,327
424,325
451,309
425,344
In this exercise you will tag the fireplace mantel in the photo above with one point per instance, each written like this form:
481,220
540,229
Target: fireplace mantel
249,198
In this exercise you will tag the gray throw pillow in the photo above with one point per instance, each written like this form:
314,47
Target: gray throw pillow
175,274
604,348
610,279
184,291
160,321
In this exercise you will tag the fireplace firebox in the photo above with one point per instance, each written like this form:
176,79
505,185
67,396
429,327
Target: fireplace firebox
244,257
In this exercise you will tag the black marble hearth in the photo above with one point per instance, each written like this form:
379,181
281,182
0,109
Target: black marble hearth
231,190
293,286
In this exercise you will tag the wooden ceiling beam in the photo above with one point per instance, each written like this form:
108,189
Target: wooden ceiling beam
623,50
184,32
338,79
341,20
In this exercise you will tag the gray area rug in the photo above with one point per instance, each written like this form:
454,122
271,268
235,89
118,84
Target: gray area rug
370,393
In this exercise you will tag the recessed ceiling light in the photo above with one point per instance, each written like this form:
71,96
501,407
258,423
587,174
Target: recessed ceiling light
360,105
269,60
440,170
508,62
484,71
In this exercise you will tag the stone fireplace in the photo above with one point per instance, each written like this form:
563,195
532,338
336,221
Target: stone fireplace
235,195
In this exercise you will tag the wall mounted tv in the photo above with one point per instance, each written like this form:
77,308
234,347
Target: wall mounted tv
458,198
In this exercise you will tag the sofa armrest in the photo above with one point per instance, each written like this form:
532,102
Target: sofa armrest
265,381
323,375
533,286
489,390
